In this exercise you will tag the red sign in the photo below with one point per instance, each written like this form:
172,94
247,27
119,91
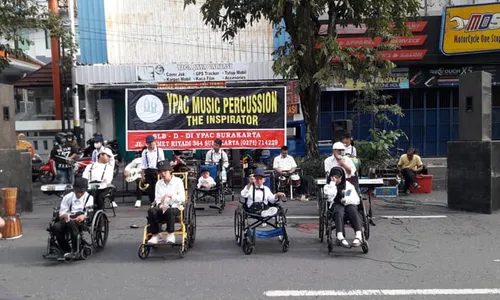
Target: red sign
292,109
401,41
291,96
394,55
413,26
204,139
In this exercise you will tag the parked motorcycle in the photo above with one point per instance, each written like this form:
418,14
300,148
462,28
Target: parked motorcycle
36,163
47,172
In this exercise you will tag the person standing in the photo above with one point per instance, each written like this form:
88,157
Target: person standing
135,164
150,158
63,154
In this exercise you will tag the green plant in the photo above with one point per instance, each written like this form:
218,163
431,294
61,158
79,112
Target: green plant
312,166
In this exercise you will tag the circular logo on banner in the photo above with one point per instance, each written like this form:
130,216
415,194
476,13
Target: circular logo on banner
149,108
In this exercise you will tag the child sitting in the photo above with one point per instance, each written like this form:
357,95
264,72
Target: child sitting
206,182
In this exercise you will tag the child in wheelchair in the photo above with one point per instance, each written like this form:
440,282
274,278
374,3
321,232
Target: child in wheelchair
343,201
259,196
206,182
169,196
72,213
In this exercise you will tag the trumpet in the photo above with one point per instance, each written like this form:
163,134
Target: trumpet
143,185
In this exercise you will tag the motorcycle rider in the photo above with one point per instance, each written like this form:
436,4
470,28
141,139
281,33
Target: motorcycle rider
98,148
63,154
136,164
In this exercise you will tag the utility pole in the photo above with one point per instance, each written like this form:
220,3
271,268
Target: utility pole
56,79
74,87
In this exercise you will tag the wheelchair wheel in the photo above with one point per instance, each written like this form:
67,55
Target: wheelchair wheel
238,226
329,238
99,230
281,223
183,249
191,225
86,252
144,251
285,245
321,228
247,247
365,247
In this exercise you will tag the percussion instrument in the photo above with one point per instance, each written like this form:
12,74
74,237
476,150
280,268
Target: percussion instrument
133,175
282,181
295,178
12,228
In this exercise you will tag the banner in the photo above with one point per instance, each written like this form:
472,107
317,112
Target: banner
243,118
448,76
192,72
397,80
470,29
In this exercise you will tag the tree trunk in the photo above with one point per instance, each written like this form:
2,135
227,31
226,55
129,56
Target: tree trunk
310,104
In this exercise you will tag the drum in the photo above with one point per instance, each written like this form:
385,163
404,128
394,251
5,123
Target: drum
295,178
12,228
9,196
282,181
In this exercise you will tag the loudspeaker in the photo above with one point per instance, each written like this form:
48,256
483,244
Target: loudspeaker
340,127
8,117
474,106
472,183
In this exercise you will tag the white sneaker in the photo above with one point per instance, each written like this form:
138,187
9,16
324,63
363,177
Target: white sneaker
171,238
138,203
155,239
303,198
114,204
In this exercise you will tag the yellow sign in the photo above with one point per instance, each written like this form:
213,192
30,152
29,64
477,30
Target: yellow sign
471,29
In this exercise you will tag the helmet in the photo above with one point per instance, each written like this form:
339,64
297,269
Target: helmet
69,136
61,138
338,146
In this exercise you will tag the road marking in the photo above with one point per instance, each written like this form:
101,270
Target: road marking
302,217
340,293
415,217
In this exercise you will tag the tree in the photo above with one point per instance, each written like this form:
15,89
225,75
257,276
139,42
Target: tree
302,58
17,15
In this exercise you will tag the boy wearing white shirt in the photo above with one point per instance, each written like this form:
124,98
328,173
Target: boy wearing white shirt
73,210
169,196
135,164
101,172
343,199
216,154
206,182
150,158
257,194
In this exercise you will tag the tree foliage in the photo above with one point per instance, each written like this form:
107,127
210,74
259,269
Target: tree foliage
301,58
17,15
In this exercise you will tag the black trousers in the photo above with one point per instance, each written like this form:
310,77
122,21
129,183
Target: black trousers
151,176
60,229
409,178
351,212
99,197
156,216
138,192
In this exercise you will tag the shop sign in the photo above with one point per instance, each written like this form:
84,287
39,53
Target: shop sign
192,72
292,97
470,29
194,84
448,76
397,80
350,29
292,109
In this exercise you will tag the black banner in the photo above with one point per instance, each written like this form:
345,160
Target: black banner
447,76
206,108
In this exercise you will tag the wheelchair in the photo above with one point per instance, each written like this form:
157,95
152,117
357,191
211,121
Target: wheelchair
60,190
92,237
187,231
246,222
218,193
327,224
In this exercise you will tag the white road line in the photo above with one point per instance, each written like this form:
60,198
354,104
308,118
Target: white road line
302,217
340,293
415,217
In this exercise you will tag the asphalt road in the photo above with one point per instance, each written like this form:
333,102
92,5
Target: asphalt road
445,255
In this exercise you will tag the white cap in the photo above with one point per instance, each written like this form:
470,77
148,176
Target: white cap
106,151
338,146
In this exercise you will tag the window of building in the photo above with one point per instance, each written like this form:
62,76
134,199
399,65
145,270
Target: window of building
22,43
47,39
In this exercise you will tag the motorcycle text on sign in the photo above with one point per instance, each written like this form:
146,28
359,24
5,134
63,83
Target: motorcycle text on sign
243,118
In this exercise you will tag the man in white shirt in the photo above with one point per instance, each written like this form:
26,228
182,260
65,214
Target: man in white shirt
98,145
257,194
215,154
170,195
101,172
135,166
284,164
150,158
338,159
73,210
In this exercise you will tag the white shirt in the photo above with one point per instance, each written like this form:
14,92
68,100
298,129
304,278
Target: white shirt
151,158
351,196
175,187
76,204
206,182
284,163
100,173
213,157
351,150
331,162
95,157
135,164
259,195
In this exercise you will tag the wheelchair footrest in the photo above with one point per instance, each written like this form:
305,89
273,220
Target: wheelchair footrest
268,233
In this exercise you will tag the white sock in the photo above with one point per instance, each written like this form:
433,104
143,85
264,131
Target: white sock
340,235
358,235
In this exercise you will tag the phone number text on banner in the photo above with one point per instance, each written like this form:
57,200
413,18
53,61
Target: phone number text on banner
192,118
